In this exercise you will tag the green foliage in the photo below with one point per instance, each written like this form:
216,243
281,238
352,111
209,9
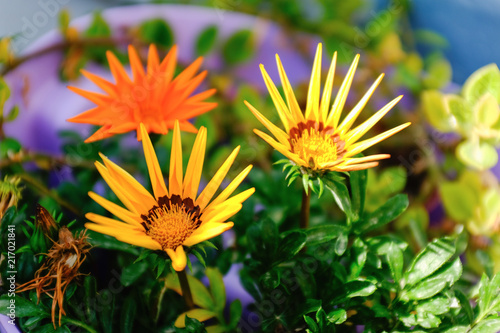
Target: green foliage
239,48
156,31
206,40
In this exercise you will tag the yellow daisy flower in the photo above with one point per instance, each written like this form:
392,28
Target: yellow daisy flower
314,139
173,217
152,96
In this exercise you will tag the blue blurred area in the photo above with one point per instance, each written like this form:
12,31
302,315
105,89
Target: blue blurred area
471,28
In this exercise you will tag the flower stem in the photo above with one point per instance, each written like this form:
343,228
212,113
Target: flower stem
304,210
186,291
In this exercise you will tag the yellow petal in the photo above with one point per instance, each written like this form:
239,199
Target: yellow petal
207,231
175,177
360,146
234,200
280,105
213,185
221,214
327,90
116,187
232,186
276,131
195,165
178,258
131,186
338,104
351,116
120,212
106,221
356,167
134,238
356,133
291,100
279,147
312,107
370,158
159,188
199,314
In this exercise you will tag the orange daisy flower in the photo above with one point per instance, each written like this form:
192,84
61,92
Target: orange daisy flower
152,96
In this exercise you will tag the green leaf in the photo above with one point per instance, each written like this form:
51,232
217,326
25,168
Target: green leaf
157,31
90,288
13,113
438,73
341,244
271,279
359,289
458,329
487,111
131,273
23,307
9,145
235,311
341,196
383,215
477,154
465,305
4,94
458,199
201,296
217,289
487,326
129,310
486,79
461,110
206,40
99,27
358,255
436,306
489,295
358,180
395,260
239,48
446,276
290,245
430,259
438,115
323,233
311,324
337,316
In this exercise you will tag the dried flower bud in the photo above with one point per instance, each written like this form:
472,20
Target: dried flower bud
45,221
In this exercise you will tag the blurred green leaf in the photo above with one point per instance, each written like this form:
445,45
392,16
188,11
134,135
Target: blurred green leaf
462,111
127,318
157,31
206,40
436,111
217,289
4,94
290,245
486,79
132,272
323,233
458,200
479,155
439,73
235,312
487,111
239,47
487,326
358,181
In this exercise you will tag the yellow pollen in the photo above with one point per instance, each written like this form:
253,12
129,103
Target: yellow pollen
171,226
317,147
